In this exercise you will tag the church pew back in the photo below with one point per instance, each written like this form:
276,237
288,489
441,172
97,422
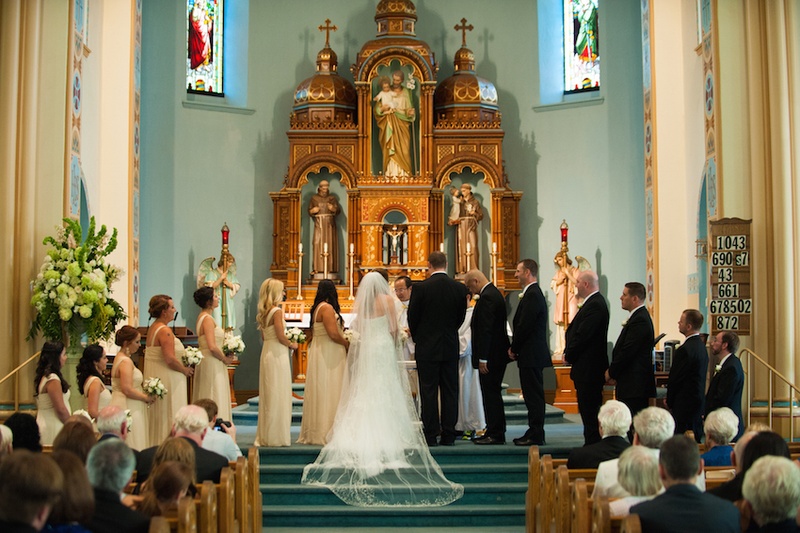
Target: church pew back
254,472
206,501
187,515
580,507
242,484
631,524
544,509
561,500
226,501
159,524
532,494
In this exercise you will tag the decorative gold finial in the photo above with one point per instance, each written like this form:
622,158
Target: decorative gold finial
463,29
327,28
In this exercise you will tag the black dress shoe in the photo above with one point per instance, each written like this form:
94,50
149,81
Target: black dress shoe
488,440
431,443
444,442
527,441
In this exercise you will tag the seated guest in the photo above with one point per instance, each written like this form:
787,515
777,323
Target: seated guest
6,440
76,505
191,424
682,507
651,427
169,482
110,465
614,421
638,474
30,484
76,437
746,453
26,432
720,427
112,423
220,439
772,489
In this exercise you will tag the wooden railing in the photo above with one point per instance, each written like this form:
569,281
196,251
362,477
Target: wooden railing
15,374
792,389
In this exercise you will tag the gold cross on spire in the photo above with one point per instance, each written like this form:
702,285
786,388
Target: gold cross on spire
327,29
463,29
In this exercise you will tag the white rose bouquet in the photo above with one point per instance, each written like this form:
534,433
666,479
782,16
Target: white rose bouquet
154,387
352,336
403,336
296,335
232,344
191,356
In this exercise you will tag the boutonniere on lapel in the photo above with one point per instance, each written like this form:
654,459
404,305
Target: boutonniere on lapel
476,297
580,305
520,295
624,323
717,368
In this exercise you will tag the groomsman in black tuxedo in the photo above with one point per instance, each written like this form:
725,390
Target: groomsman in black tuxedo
529,349
435,312
631,367
489,352
686,389
725,389
586,351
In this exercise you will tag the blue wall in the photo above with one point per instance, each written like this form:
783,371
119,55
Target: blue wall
201,168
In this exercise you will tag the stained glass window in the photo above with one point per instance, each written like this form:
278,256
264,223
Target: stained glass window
581,46
204,23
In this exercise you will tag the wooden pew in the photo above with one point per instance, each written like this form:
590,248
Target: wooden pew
532,494
226,503
159,524
253,466
544,508
562,495
717,475
187,515
580,507
631,524
206,501
242,506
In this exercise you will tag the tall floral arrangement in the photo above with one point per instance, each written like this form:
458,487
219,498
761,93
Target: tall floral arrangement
72,291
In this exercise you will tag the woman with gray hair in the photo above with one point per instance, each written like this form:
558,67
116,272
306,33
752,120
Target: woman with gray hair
638,474
772,489
720,427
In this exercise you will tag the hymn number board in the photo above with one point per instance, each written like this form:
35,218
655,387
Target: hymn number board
729,257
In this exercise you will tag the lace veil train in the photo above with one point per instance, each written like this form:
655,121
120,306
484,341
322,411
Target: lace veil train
376,453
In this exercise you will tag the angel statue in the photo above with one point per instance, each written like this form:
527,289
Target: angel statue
224,274
564,284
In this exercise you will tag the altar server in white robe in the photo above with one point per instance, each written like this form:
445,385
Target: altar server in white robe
471,417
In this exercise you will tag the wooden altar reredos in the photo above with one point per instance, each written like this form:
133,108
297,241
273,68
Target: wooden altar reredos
457,129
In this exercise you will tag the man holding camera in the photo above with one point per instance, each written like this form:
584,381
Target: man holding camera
221,437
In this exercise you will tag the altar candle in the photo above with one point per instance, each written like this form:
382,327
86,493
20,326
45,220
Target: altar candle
494,247
325,248
441,247
352,247
469,248
300,248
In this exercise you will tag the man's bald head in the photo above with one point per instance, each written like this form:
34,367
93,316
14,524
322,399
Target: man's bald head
587,283
475,280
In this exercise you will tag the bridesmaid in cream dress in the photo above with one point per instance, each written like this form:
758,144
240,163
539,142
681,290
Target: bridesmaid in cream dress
126,387
52,392
90,379
275,379
326,365
162,359
211,375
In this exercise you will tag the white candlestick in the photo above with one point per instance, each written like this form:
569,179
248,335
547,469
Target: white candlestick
325,247
300,247
441,247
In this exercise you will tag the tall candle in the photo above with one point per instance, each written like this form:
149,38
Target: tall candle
300,247
325,247
441,247
352,247
469,248
494,247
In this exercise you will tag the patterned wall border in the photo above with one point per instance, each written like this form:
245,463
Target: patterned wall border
650,169
133,197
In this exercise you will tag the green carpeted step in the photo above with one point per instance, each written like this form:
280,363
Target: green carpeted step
474,494
451,516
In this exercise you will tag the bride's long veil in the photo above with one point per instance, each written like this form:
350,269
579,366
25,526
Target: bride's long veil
376,453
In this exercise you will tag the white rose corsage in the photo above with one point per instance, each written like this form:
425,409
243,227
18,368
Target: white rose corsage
717,368
520,295
476,297
624,323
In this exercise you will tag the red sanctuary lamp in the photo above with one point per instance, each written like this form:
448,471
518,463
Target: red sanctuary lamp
225,233
564,233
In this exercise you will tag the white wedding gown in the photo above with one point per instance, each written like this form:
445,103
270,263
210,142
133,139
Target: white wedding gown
376,453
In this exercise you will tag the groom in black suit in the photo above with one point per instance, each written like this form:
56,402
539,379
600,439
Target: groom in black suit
686,389
586,351
631,367
529,348
436,310
725,389
489,352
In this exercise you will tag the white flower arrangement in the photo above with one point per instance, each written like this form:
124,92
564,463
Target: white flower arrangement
232,344
154,387
72,290
296,335
351,336
191,356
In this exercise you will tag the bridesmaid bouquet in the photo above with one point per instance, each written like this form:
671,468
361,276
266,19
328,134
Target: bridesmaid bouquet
154,387
232,344
351,336
191,356
296,335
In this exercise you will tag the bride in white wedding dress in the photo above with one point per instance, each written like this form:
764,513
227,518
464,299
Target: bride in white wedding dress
376,453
